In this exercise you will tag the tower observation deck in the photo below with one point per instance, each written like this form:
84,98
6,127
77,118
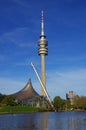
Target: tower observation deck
43,51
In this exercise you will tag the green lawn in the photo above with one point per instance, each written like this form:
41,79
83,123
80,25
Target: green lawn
17,109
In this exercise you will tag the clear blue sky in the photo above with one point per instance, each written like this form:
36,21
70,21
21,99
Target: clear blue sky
65,28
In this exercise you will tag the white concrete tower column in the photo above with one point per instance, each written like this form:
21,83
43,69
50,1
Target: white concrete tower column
43,51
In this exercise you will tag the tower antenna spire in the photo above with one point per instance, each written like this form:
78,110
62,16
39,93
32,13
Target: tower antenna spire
42,24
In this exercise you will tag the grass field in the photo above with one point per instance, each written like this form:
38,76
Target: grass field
17,109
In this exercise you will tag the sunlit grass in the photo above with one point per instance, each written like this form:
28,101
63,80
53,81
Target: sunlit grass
17,109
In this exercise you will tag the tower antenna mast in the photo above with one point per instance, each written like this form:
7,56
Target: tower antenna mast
43,51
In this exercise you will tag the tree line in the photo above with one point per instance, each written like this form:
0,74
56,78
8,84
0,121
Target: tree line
79,103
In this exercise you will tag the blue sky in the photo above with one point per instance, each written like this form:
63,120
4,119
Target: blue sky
65,28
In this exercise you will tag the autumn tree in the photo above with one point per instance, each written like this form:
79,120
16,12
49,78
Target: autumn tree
80,102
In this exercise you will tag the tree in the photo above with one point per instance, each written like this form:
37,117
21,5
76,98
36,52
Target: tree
9,100
2,97
59,103
80,102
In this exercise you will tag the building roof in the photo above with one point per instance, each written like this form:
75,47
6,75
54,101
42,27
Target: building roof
27,92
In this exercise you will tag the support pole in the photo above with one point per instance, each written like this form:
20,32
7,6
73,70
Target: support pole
43,86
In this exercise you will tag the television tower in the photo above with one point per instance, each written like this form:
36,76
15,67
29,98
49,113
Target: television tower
43,51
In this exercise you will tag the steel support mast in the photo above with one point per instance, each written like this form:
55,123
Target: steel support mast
43,87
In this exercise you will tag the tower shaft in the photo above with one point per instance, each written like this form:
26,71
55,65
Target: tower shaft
43,70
